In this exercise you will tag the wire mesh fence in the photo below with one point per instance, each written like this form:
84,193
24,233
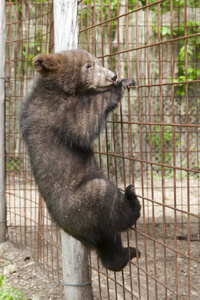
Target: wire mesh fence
29,25
151,140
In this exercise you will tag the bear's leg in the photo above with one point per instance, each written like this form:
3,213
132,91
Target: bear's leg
108,206
113,255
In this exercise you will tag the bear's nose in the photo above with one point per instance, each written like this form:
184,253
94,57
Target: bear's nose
112,76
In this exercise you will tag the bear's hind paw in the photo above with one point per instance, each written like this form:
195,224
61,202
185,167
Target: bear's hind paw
120,260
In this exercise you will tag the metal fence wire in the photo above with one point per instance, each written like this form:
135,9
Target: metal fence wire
151,140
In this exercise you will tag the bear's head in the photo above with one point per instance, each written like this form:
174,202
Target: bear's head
74,71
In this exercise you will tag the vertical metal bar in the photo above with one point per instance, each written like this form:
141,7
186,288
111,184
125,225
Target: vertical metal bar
94,43
150,127
119,37
23,221
113,115
99,279
2,122
74,253
10,150
188,148
162,157
102,35
9,30
130,132
107,285
140,139
81,25
106,126
88,24
174,150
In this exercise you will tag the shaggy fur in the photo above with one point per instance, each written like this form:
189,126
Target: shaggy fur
60,118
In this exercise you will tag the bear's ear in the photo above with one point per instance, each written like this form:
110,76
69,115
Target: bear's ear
43,63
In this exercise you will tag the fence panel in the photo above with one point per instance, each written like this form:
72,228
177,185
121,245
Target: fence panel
29,25
151,140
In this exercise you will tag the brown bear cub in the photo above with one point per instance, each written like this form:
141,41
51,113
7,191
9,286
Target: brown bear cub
60,118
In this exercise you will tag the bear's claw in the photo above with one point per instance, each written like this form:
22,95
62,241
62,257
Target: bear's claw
128,82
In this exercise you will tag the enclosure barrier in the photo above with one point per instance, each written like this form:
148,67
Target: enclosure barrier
2,103
151,140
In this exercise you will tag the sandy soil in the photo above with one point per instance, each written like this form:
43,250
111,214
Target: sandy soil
23,273
169,266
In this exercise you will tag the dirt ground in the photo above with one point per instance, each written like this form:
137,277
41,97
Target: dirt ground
25,275
169,263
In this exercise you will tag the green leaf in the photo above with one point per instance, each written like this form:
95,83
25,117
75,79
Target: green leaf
166,31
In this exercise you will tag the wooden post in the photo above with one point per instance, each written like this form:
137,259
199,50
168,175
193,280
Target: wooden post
2,113
65,24
76,275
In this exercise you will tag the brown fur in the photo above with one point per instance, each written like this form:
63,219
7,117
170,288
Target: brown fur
60,118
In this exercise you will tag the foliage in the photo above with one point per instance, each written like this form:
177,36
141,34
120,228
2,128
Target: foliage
191,52
13,164
176,4
33,48
7,292
19,6
181,74
163,138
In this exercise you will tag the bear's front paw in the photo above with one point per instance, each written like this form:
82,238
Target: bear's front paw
131,196
130,192
128,82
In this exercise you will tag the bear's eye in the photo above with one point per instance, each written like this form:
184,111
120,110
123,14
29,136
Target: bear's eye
88,66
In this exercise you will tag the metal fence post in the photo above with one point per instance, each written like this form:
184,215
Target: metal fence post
76,275
2,111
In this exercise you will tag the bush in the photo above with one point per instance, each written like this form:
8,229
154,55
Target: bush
7,292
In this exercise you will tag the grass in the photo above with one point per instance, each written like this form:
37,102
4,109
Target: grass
7,292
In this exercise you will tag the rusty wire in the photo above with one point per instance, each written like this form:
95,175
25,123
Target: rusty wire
151,140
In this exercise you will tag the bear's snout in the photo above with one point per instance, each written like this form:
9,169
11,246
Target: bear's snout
112,76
